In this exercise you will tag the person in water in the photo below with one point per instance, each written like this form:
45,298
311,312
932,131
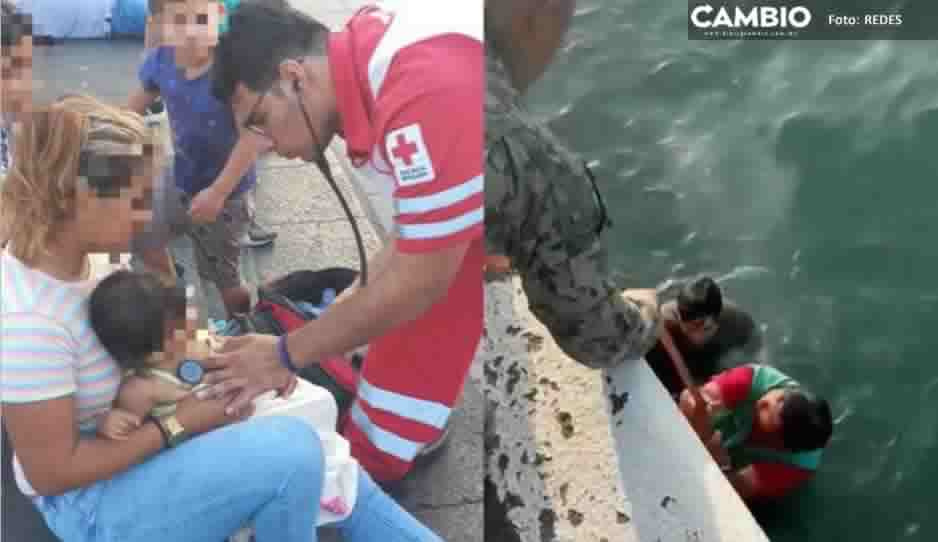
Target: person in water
705,328
765,430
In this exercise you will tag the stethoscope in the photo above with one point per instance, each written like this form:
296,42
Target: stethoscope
323,164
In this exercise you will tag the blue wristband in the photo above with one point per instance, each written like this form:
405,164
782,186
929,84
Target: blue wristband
285,354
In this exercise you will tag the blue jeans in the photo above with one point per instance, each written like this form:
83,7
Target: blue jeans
377,516
266,472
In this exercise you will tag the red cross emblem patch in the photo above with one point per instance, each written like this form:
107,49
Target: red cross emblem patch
408,155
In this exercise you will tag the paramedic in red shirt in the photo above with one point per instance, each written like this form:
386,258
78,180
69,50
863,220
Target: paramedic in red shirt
763,427
404,90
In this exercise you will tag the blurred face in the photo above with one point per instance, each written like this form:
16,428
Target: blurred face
698,330
184,338
114,201
17,87
769,411
277,116
191,27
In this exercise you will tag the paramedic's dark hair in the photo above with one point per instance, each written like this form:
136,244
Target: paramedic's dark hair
14,25
701,298
260,36
807,423
129,313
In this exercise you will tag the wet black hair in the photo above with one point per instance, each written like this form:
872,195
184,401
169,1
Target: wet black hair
807,423
701,298
130,312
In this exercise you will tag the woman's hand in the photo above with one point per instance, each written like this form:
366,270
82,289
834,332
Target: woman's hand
201,416
245,367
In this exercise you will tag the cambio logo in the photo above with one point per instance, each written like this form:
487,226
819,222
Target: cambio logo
756,17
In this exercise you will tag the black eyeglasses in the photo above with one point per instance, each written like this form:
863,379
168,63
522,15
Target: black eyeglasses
251,123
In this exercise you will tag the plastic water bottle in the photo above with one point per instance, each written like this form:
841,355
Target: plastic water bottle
328,296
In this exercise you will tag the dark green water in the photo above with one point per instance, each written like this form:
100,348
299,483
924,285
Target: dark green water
804,174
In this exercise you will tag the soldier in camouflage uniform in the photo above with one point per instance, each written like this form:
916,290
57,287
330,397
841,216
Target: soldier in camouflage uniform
545,213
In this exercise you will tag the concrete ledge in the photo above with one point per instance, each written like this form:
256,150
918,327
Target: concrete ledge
549,451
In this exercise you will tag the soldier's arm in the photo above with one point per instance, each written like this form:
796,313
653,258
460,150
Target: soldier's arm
567,284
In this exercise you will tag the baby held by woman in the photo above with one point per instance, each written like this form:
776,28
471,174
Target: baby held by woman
148,330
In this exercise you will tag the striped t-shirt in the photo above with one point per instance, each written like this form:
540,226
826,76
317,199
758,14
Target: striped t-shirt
47,347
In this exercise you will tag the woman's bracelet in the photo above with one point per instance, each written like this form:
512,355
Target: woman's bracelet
163,432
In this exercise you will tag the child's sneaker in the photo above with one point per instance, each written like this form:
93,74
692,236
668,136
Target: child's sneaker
256,236
154,108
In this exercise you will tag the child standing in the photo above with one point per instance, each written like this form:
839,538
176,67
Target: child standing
17,58
214,163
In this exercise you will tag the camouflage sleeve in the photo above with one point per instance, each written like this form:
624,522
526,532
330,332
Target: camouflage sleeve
543,212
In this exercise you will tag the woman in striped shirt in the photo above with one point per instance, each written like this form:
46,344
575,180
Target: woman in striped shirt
79,189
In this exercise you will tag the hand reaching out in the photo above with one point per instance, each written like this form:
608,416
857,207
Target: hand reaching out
245,367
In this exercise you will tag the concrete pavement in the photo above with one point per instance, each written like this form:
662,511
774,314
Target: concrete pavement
551,473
